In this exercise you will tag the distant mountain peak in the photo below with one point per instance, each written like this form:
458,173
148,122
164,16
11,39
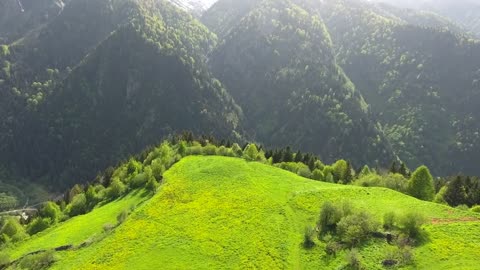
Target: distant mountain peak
195,6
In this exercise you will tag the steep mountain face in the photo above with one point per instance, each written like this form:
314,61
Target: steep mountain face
277,60
144,80
463,12
422,83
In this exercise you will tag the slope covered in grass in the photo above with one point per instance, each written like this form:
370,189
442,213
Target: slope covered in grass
218,212
79,229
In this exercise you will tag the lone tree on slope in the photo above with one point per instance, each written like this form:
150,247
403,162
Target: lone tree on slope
421,184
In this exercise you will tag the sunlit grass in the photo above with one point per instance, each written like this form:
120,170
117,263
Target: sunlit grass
226,213
78,229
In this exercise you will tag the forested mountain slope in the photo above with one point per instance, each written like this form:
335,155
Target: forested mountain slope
18,17
464,12
146,78
422,83
277,60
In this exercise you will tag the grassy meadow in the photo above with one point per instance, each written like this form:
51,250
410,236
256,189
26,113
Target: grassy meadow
227,213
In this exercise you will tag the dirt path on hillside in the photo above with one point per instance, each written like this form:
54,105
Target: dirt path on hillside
453,220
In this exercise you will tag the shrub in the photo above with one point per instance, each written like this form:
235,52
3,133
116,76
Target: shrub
4,50
38,261
440,197
165,153
38,224
94,195
52,211
406,255
364,172
78,206
463,207
116,189
347,208
77,189
318,164
195,150
107,227
223,151
330,215
389,220
157,168
396,182
122,216
139,180
210,150
391,256
12,231
355,228
237,150
308,237
369,180
4,258
340,170
353,259
7,201
294,167
411,223
304,172
476,209
392,181
332,247
329,178
251,152
328,170
182,148
133,167
151,184
317,174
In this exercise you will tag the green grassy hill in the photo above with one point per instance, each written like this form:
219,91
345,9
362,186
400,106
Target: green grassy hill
227,213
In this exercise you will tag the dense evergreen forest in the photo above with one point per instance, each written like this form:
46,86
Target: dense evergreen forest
464,13
84,84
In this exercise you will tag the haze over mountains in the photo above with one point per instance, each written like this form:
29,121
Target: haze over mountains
464,12
86,83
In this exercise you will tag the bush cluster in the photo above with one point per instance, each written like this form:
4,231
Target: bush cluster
342,226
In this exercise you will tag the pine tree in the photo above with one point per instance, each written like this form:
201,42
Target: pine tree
298,157
364,172
268,154
276,157
349,175
288,155
403,170
311,163
455,194
393,168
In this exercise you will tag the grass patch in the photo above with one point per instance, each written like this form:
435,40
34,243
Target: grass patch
78,229
219,212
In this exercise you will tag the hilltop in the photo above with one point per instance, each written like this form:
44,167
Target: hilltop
214,212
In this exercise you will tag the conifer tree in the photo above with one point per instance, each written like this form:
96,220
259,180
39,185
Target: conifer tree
393,168
421,185
298,157
288,155
455,194
403,170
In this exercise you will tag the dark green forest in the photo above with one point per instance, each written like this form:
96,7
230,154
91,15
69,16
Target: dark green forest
85,84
